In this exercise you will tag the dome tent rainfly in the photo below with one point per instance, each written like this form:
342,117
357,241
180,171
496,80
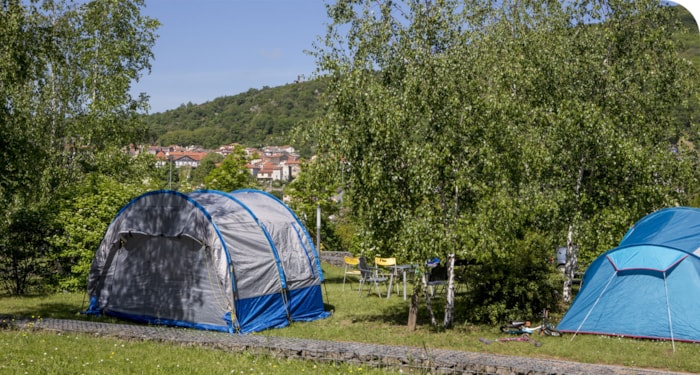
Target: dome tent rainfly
648,286
237,262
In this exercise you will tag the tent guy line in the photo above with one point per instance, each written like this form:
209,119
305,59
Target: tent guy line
646,287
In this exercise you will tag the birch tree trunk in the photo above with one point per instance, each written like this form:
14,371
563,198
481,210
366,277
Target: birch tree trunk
571,250
413,309
428,298
570,267
450,303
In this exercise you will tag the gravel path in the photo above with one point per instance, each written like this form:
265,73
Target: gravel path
438,361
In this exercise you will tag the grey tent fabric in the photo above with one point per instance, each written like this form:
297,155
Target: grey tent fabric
299,259
205,260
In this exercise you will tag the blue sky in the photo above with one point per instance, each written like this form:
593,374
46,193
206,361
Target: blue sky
212,48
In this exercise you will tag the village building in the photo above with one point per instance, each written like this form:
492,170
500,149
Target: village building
272,163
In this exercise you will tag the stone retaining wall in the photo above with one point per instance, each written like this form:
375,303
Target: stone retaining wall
334,257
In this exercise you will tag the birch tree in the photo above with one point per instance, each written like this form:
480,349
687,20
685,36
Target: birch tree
65,74
500,130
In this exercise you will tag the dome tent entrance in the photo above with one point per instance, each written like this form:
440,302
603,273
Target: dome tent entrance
648,286
207,260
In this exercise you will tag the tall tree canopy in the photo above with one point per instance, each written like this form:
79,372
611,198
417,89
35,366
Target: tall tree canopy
232,173
65,74
498,130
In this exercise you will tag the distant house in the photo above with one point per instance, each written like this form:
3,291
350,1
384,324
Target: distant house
274,163
294,164
181,157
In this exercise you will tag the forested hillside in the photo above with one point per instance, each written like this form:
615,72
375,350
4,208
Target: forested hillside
253,118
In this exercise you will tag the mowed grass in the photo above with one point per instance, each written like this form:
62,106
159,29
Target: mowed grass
357,317
23,352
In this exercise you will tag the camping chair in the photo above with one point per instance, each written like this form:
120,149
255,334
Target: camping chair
388,264
370,275
351,268
437,277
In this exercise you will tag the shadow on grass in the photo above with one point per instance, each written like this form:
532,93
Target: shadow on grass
397,314
56,310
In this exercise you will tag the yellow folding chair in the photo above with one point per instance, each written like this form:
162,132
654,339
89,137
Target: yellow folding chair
389,264
371,275
351,268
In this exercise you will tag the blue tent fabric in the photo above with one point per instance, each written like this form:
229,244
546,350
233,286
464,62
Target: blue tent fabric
208,260
648,286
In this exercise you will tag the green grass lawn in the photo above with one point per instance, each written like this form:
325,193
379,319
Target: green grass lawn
357,317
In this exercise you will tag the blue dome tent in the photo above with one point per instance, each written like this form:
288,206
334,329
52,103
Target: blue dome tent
207,260
648,286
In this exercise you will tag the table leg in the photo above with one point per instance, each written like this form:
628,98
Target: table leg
403,272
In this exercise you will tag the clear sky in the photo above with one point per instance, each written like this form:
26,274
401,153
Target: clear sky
212,48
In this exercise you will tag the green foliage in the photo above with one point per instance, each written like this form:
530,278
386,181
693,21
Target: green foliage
496,130
315,187
232,174
206,166
65,73
68,353
25,247
88,209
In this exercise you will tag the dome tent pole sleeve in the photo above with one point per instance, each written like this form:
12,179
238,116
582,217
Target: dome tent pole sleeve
280,270
668,311
306,251
273,249
231,275
296,218
275,254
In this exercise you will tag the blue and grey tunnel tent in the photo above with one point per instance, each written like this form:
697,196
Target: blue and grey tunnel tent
648,286
236,262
